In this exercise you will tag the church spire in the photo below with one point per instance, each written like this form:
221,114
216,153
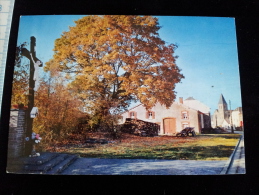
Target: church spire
222,100
222,105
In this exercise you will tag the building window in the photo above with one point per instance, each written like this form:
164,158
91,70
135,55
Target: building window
185,115
150,115
133,114
185,124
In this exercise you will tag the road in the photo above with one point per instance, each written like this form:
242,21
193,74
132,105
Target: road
95,166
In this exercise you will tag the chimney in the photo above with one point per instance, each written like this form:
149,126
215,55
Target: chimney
180,100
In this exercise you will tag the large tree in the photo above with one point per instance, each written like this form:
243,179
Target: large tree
114,59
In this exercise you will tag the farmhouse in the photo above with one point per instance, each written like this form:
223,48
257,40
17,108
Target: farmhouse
185,113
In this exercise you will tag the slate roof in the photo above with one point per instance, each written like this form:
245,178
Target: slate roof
222,100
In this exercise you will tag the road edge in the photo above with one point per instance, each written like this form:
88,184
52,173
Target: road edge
231,158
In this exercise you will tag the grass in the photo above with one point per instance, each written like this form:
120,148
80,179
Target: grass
201,147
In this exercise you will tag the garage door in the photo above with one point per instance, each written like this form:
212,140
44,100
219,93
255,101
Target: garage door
169,125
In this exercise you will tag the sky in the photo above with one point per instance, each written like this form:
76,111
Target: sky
207,52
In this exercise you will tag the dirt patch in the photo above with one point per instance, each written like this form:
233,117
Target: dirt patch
81,140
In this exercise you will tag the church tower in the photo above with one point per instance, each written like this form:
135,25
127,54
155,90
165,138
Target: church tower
222,114
222,109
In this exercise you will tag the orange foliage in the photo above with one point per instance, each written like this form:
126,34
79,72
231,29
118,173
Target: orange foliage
118,58
58,111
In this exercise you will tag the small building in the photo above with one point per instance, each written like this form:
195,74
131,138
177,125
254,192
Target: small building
237,118
172,120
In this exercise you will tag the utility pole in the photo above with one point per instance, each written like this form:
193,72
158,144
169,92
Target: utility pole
29,121
232,130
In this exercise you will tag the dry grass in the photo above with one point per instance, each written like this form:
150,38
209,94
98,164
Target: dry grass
201,147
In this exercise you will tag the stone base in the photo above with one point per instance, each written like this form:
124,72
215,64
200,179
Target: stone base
46,163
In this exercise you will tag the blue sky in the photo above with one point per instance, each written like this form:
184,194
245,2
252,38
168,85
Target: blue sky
207,51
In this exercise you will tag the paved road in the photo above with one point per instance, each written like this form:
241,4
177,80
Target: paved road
95,166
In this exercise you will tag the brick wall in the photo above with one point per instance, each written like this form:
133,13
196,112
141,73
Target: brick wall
17,129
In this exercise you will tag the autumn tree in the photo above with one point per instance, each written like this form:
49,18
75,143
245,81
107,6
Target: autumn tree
20,78
116,59
59,112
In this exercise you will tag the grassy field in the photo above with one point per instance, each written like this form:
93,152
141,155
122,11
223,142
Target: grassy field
201,147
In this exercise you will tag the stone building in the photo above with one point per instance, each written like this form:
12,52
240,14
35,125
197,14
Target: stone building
172,120
223,117
237,117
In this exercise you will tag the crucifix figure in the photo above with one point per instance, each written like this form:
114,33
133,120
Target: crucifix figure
37,64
